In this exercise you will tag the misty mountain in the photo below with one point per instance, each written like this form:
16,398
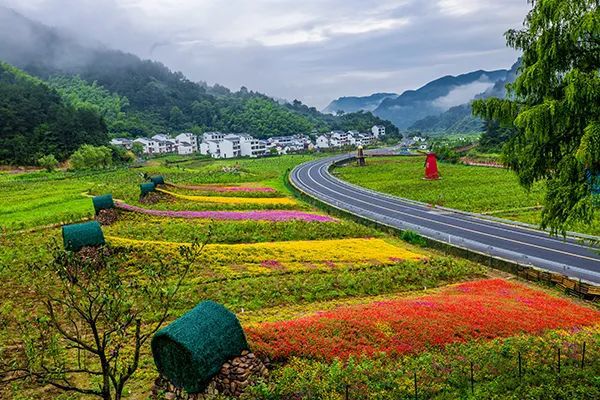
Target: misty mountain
431,100
353,103
460,118
152,98
438,96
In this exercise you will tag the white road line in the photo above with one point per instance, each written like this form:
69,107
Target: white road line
310,168
471,220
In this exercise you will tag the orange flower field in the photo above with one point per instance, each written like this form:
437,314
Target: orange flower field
469,311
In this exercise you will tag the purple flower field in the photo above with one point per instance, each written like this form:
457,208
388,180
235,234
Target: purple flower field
266,215
216,188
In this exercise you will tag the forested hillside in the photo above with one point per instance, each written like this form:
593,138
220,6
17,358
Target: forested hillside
35,120
142,97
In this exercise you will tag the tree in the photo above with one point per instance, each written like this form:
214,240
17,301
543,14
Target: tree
554,106
91,157
137,148
97,320
48,162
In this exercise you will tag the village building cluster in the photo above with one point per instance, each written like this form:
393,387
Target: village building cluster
232,145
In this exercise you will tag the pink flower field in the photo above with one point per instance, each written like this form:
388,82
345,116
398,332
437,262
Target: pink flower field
261,215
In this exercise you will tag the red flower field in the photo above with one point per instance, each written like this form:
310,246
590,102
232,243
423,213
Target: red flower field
474,310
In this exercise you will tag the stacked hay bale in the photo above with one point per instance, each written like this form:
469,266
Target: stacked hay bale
146,188
78,236
104,206
205,343
157,180
104,202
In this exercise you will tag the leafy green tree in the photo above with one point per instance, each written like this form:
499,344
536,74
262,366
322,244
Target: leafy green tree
554,104
121,155
137,149
48,162
91,157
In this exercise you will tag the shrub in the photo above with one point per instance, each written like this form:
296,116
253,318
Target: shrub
91,157
121,155
48,162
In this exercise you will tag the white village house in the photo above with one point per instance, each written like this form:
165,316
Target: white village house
220,145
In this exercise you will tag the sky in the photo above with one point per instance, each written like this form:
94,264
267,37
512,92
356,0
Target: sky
311,50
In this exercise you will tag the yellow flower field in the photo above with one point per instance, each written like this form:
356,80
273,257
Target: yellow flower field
233,200
289,256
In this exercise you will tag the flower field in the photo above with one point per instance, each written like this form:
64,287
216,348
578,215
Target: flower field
259,215
259,258
233,200
477,310
226,188
332,301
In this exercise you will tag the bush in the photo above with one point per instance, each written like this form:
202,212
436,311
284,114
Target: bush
121,155
48,162
91,157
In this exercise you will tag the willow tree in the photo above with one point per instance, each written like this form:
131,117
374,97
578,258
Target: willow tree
554,104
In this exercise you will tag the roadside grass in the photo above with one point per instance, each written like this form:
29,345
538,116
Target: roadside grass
467,188
40,198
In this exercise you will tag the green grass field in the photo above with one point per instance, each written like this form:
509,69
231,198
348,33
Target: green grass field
33,199
263,272
493,191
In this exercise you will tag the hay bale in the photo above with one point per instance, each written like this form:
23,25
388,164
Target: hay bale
191,350
157,180
87,234
104,202
146,188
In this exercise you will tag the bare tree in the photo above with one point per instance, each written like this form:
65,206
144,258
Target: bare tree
98,317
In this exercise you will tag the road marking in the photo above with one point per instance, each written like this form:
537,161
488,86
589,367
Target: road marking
470,219
312,166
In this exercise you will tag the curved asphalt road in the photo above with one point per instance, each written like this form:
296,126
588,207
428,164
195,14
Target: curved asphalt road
516,244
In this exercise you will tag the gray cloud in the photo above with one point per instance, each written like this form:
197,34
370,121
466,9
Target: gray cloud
314,50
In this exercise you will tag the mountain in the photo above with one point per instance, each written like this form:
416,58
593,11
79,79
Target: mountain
436,97
143,97
431,100
459,118
36,121
353,104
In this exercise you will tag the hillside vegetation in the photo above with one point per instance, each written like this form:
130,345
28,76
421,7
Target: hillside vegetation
35,120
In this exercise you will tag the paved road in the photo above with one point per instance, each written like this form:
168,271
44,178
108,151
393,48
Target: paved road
517,244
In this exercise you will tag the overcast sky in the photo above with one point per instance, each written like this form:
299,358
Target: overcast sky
312,50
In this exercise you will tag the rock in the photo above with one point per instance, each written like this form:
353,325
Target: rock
233,378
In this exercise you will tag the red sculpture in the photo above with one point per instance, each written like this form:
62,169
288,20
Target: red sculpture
431,169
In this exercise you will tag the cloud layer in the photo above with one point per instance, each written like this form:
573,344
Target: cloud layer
314,50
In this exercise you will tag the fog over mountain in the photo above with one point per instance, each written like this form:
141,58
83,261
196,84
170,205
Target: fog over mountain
433,99
314,51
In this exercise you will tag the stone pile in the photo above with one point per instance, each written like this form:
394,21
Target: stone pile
107,217
233,378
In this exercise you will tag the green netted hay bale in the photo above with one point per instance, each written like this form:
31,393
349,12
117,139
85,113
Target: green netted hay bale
157,180
191,350
104,202
86,234
146,188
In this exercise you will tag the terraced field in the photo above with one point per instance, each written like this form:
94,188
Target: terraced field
340,307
